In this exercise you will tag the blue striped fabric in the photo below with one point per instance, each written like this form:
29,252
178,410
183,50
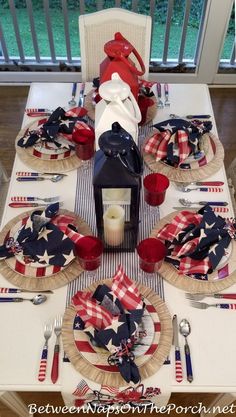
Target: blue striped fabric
84,207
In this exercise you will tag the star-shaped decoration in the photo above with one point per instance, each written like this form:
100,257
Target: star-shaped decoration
213,249
110,346
209,225
202,234
168,127
115,325
66,123
69,257
77,326
45,258
45,233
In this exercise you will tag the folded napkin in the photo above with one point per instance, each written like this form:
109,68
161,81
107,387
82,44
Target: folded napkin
176,140
196,242
45,237
59,123
110,317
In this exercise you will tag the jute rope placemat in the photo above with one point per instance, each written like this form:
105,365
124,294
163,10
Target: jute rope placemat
40,164
57,280
146,369
217,281
188,175
88,104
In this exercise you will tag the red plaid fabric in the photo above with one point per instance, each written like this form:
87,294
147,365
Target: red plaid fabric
184,149
126,291
76,112
157,144
90,311
194,266
179,222
62,222
186,248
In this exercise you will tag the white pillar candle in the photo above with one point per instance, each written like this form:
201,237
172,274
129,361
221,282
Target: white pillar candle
114,224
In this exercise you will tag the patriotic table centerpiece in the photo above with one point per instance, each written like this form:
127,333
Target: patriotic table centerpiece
176,140
197,242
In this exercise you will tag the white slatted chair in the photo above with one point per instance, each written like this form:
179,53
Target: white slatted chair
95,29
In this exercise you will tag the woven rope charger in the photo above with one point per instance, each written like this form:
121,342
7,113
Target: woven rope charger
191,285
57,280
146,370
188,175
88,104
40,164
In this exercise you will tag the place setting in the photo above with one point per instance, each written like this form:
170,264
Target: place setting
118,332
184,150
38,249
54,143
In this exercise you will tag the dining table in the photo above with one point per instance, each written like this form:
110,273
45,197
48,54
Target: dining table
213,331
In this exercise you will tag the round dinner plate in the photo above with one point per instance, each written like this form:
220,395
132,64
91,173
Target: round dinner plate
42,159
191,170
45,277
223,277
152,349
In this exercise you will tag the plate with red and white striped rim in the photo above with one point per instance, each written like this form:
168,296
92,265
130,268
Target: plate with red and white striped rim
44,277
221,278
45,157
208,163
154,338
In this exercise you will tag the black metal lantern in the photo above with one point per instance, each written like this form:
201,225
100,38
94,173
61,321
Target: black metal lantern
117,181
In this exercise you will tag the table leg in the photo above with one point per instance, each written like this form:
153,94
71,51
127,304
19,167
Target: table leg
218,404
13,401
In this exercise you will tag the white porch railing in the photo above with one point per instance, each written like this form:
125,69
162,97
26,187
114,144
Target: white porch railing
201,66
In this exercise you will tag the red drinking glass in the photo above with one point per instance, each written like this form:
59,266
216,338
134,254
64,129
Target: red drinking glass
89,250
151,252
155,186
84,143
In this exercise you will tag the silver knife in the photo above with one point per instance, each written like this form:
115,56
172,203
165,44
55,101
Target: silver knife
81,95
178,363
215,209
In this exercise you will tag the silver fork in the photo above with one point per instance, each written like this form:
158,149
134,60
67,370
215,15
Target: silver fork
46,199
204,306
166,90
44,354
160,102
55,362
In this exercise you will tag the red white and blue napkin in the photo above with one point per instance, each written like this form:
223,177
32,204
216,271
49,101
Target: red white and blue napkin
45,237
176,140
110,316
196,242
58,126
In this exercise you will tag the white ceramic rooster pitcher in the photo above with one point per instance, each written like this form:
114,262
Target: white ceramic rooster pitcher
117,104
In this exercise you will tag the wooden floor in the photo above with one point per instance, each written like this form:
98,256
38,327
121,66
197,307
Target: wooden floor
12,105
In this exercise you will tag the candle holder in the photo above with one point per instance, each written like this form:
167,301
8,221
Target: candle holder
84,145
89,250
151,252
155,186
117,183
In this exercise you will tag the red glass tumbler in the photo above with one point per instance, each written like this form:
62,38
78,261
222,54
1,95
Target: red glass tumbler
155,186
84,145
89,250
151,252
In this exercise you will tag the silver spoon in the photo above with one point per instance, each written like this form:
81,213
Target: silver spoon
54,178
38,299
185,330
187,203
